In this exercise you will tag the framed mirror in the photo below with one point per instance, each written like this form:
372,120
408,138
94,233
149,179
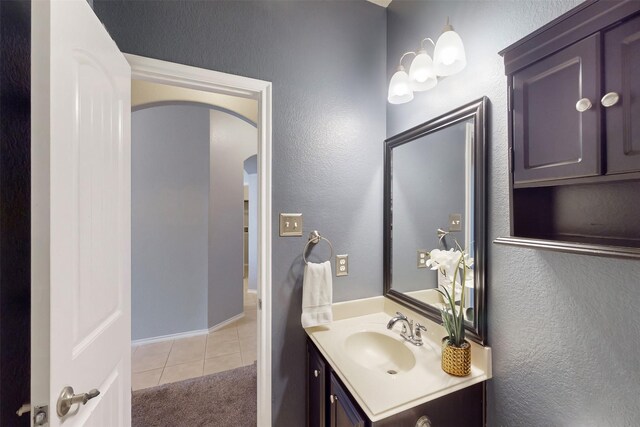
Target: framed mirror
434,191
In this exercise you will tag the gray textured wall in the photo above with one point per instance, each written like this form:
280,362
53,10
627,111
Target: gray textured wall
565,329
232,141
428,185
169,220
327,64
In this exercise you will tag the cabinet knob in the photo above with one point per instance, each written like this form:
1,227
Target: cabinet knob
423,421
333,398
316,373
610,99
583,105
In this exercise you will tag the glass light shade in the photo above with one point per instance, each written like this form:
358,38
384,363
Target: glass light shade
449,57
422,72
400,87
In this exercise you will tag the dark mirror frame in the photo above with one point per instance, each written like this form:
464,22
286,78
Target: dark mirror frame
476,110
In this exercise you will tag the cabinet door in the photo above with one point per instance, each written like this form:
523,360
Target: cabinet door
552,139
344,412
622,76
316,389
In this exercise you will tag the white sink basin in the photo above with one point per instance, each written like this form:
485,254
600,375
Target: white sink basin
379,352
361,351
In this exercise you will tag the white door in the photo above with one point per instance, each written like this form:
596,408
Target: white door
81,272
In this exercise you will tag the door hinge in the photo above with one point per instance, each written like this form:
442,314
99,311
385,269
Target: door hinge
259,303
510,98
40,415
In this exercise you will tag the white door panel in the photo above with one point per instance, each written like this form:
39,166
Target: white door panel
88,213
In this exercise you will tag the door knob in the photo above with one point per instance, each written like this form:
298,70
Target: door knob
583,105
316,373
610,99
67,399
333,398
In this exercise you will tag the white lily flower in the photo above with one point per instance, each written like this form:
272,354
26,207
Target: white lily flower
449,263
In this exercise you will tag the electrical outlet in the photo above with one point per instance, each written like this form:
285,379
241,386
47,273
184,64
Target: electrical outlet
423,256
290,224
342,265
455,222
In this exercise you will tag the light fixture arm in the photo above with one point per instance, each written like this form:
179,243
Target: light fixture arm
402,57
447,27
424,40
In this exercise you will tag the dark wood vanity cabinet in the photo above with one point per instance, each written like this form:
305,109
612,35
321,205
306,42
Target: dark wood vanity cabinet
316,388
574,132
343,410
329,403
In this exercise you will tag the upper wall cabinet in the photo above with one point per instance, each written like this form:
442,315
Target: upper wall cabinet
556,128
621,100
574,135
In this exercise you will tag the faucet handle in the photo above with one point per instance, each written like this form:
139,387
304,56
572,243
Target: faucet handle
410,325
418,331
400,315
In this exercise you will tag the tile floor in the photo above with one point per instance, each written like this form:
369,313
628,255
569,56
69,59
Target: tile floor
164,362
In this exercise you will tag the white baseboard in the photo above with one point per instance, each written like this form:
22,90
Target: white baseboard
226,322
186,334
170,337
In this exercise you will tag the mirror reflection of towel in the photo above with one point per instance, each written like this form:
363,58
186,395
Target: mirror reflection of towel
317,294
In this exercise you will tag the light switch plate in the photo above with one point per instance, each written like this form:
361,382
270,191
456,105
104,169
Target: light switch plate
423,256
342,265
455,222
290,224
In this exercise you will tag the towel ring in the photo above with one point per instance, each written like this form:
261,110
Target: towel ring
314,238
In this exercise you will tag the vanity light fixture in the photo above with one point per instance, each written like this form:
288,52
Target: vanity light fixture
422,71
449,57
400,86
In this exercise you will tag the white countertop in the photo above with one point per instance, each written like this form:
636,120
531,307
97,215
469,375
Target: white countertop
379,394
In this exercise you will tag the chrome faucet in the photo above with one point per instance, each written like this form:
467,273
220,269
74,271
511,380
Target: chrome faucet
414,336
407,325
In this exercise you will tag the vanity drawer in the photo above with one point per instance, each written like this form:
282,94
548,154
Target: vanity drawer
463,408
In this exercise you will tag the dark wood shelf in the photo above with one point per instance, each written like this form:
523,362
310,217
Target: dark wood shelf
634,176
576,245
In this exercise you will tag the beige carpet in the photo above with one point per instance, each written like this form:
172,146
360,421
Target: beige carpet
223,399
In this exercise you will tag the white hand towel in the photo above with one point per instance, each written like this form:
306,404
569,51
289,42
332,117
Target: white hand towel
317,294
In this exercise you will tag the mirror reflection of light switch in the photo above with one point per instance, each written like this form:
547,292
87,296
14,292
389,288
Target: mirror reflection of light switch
423,256
455,222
